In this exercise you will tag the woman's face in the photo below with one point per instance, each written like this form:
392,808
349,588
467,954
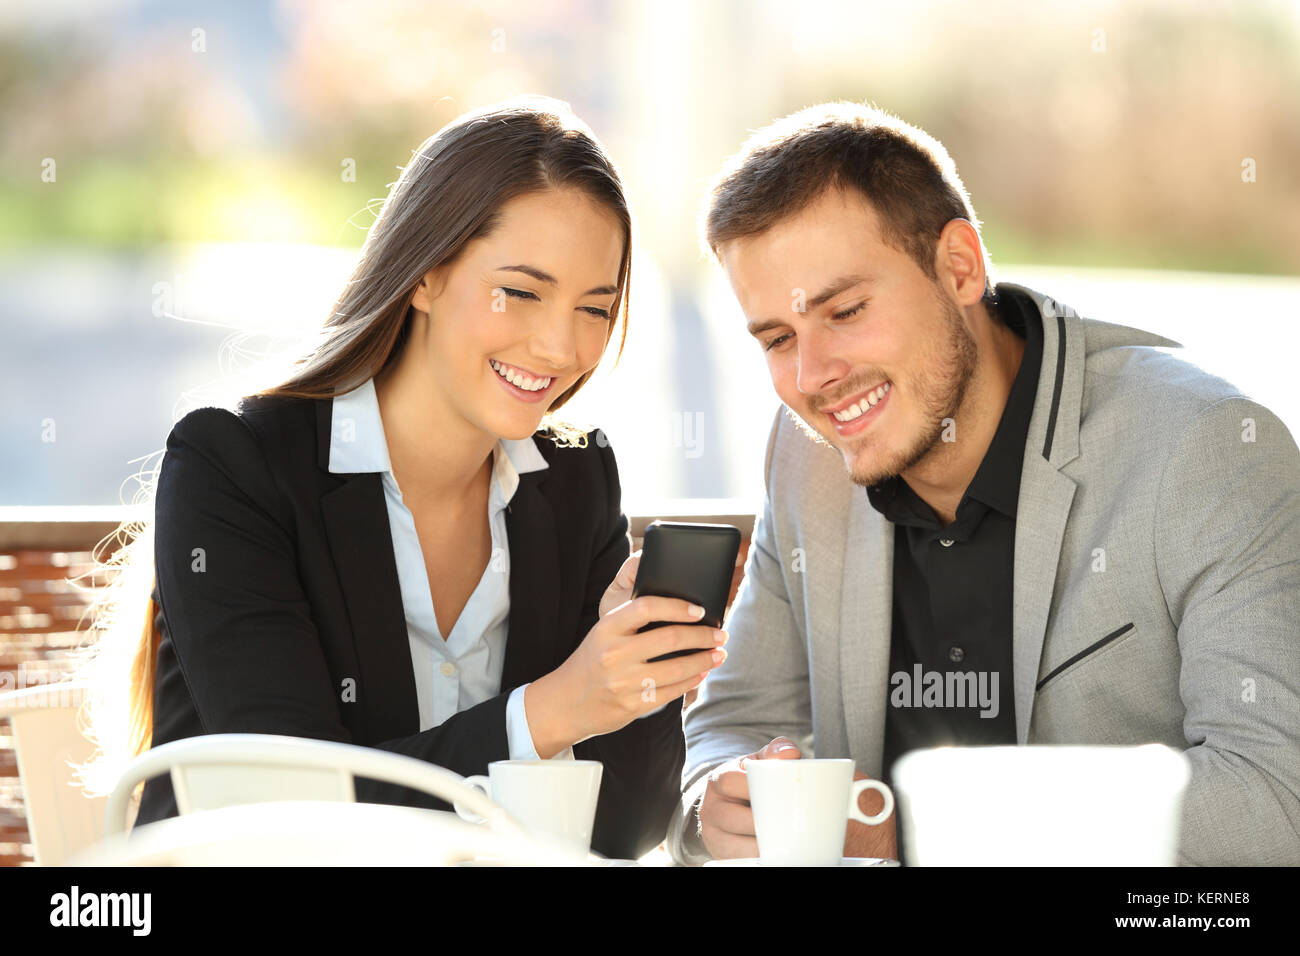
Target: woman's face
518,316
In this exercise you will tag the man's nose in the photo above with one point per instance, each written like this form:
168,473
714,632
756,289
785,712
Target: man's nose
819,364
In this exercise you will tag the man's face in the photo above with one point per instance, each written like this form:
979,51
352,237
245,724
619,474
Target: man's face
886,338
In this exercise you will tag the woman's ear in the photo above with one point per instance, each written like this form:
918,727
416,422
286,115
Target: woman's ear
429,289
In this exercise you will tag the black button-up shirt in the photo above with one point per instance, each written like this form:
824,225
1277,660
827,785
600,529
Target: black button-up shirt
950,647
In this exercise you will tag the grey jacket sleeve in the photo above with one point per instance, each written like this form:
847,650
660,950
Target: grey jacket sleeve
761,691
1228,558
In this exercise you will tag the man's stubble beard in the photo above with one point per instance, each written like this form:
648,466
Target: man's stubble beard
939,385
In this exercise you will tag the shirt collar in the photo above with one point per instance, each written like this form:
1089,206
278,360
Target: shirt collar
358,445
997,482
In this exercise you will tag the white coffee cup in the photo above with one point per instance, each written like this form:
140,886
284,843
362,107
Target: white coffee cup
1041,805
802,808
554,800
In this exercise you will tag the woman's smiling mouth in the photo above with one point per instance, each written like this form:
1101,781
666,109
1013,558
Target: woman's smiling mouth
521,383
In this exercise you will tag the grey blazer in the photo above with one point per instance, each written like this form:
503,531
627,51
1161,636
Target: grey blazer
1156,594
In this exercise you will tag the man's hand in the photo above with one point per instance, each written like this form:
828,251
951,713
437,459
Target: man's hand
726,820
866,841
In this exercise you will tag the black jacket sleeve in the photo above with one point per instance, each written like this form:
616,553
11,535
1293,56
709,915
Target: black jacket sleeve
640,784
240,623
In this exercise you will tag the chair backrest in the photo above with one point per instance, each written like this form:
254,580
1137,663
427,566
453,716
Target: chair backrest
223,770
47,740
313,833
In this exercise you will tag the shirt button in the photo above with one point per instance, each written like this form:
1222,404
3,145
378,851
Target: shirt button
946,542
956,654
448,668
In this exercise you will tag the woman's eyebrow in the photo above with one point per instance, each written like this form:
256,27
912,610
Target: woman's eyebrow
542,276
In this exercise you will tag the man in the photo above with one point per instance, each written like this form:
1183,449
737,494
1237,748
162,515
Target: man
1101,539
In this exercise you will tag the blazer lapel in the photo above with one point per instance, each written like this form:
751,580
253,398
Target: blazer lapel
531,642
356,523
1046,495
1041,515
864,627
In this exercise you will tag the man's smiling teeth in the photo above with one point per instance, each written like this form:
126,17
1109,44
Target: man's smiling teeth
519,379
853,411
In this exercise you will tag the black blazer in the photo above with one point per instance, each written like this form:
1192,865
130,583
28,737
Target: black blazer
277,591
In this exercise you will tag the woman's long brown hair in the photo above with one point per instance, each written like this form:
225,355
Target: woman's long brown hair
450,193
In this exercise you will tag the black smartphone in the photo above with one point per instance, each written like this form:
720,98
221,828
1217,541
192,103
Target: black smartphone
690,561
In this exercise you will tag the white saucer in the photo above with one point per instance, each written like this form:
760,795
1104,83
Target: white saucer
846,861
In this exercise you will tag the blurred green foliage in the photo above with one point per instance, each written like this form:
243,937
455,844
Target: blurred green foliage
1127,155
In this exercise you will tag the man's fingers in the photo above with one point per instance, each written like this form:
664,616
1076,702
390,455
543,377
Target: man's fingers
782,748
728,816
733,785
726,819
726,846
727,827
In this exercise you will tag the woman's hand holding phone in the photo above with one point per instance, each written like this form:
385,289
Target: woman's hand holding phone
619,591
608,681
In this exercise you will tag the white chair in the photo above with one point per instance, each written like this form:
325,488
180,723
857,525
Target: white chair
47,741
224,770
316,833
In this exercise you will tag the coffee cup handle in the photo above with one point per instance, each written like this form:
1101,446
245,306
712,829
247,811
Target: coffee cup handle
884,791
480,782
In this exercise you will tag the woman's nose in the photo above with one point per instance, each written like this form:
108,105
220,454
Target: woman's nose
555,342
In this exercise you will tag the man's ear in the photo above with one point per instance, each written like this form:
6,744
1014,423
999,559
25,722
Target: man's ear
430,287
959,261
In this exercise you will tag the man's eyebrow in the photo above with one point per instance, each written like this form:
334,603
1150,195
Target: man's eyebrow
758,328
836,287
542,276
821,298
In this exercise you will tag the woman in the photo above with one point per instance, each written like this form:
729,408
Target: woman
399,547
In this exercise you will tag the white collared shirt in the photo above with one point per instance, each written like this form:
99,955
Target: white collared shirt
463,670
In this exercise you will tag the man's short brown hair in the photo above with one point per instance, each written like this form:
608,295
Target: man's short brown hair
905,174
